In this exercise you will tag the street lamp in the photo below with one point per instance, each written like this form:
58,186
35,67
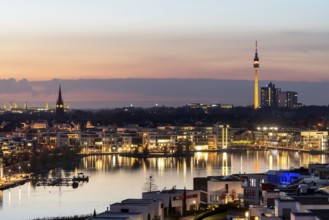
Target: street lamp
9,174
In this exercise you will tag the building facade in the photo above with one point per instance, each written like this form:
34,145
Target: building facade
288,99
269,96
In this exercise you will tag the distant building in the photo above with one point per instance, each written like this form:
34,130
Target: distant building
39,125
60,105
224,136
288,99
175,197
315,140
1,165
252,187
269,96
273,97
256,67
209,106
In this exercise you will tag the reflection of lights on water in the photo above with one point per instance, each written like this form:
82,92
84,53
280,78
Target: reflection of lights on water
19,196
9,197
270,161
256,163
209,170
184,169
241,166
144,167
232,159
114,161
119,160
99,164
85,163
29,189
1,198
224,165
323,159
161,165
278,159
200,156
178,169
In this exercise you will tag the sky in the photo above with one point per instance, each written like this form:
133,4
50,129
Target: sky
185,39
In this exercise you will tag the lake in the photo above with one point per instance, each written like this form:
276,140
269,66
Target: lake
113,178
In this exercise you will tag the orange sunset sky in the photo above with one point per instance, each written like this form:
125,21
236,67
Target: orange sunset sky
187,39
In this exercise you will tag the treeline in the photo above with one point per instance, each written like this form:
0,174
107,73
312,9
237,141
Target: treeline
47,159
304,117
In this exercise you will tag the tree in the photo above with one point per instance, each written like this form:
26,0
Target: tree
170,207
184,202
179,147
149,185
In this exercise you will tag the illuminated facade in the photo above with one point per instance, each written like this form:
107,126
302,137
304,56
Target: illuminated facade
315,140
218,189
224,138
256,67
288,99
269,96
1,166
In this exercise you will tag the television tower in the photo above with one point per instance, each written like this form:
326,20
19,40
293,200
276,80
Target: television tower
256,67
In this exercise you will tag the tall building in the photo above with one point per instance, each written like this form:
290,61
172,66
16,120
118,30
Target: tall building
269,96
256,67
288,99
1,167
60,105
224,138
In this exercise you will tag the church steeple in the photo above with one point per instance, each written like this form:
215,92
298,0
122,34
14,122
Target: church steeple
60,104
59,99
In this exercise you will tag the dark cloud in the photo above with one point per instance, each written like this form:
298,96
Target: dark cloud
170,92
13,86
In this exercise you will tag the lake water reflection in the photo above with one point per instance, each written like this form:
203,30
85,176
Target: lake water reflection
114,178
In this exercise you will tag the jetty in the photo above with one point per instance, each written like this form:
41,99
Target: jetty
74,181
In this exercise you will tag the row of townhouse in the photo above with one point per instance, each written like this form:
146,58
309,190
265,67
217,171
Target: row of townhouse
296,194
169,138
281,137
129,139
156,205
275,195
10,145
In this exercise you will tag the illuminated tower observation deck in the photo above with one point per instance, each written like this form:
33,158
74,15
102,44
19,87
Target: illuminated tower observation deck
256,67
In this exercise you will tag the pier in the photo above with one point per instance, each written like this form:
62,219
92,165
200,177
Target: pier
74,181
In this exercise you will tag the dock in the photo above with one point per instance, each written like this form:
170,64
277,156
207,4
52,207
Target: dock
74,181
